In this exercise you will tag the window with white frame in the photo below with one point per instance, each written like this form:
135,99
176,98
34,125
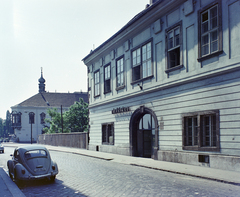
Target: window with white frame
97,83
107,78
201,131
120,72
108,133
142,62
210,38
209,33
174,46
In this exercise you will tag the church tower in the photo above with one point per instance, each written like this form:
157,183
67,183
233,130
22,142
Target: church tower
41,84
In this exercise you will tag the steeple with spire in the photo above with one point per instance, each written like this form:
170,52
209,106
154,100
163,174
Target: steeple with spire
41,84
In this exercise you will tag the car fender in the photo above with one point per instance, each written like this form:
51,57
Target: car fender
10,166
18,172
56,166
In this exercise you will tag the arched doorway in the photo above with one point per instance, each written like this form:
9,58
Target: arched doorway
144,133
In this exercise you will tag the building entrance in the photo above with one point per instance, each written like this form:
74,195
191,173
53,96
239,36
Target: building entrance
143,133
146,136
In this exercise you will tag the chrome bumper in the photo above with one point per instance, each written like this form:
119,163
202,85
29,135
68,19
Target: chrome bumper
31,177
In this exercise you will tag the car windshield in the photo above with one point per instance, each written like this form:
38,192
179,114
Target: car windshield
35,153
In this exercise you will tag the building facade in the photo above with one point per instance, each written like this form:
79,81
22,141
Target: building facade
166,85
28,117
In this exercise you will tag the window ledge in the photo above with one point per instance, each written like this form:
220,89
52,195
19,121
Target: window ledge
17,127
210,55
173,68
97,96
106,143
120,87
143,79
196,148
107,92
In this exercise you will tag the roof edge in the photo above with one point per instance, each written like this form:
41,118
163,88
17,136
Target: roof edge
133,20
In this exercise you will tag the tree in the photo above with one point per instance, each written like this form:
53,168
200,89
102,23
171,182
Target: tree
55,122
74,120
8,124
1,127
77,117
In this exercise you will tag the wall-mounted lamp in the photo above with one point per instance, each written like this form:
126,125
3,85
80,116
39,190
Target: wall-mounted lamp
140,86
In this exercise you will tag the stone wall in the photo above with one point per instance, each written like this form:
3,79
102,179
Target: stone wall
218,161
76,140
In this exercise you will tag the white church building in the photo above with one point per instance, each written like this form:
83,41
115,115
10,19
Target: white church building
28,117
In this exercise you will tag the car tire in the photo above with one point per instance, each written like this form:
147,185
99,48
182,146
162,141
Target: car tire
52,178
10,175
15,175
9,165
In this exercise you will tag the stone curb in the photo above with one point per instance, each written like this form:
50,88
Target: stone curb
188,172
12,187
231,177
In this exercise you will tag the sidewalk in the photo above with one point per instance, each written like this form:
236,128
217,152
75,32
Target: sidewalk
231,177
7,187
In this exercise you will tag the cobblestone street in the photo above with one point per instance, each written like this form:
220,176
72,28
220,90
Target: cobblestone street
86,176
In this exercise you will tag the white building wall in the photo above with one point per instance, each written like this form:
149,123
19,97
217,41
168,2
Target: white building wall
24,133
211,84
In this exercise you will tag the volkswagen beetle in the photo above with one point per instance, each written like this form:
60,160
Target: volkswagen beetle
32,162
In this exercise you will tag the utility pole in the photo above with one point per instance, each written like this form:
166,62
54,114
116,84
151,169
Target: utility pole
61,118
31,121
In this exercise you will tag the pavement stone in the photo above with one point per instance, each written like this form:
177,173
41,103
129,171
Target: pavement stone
10,189
232,177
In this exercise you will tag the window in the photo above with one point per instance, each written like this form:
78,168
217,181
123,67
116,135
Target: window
174,47
31,118
96,84
35,153
142,62
210,31
16,119
201,131
120,72
107,78
42,118
17,155
108,133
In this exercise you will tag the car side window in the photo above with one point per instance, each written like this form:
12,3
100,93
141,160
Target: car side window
16,155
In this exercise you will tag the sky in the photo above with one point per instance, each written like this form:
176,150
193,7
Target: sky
55,35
